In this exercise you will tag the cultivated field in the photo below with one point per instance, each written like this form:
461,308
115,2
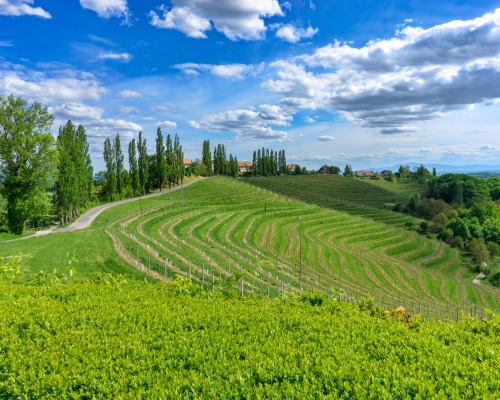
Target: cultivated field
228,233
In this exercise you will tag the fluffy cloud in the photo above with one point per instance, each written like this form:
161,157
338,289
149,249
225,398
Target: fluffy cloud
235,19
419,75
310,120
247,124
17,8
128,94
293,34
167,124
125,57
326,138
107,8
226,71
92,119
51,85
487,147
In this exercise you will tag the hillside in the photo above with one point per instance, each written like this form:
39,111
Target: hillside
225,231
117,340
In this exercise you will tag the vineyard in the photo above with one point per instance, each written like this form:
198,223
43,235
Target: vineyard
229,234
117,340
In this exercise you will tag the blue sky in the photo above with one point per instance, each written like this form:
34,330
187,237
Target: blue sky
366,82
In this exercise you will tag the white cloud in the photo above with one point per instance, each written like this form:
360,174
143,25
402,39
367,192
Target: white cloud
128,109
487,147
393,84
125,57
51,85
108,8
167,124
248,123
310,120
326,138
194,124
128,94
293,34
18,8
96,126
226,71
241,19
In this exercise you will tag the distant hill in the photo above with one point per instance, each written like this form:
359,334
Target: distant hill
476,169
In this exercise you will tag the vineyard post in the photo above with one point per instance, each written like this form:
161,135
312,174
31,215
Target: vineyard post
189,267
203,273
268,285
242,285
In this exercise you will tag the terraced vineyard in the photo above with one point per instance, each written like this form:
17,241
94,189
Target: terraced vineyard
366,198
228,233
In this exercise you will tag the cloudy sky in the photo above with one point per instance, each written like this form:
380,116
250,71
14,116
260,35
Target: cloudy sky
365,82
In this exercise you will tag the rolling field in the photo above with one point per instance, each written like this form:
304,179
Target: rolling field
228,233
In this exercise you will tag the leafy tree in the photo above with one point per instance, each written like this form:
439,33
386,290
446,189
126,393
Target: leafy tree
178,161
133,167
109,159
161,161
117,149
27,159
143,163
348,171
206,158
74,177
333,169
169,154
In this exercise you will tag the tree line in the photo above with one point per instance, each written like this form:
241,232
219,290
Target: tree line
32,162
146,172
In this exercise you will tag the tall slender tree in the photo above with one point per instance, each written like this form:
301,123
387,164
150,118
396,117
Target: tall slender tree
143,163
207,158
161,161
133,167
109,159
118,153
178,165
169,154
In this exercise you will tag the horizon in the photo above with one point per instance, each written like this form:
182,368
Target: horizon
332,83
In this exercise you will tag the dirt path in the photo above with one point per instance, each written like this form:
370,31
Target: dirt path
87,218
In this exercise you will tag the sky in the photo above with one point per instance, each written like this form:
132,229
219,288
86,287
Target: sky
368,83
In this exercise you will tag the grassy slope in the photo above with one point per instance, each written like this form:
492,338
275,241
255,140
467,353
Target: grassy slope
137,340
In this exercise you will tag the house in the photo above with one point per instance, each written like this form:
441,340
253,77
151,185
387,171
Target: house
244,166
291,167
365,173
325,169
187,162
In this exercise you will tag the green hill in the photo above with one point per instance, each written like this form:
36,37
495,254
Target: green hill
117,340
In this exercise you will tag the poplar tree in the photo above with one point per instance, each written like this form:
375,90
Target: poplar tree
118,153
169,154
143,163
178,161
206,158
109,159
133,167
161,162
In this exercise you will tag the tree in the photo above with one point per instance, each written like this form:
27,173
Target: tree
109,159
142,163
118,153
169,154
133,167
348,171
161,161
74,178
178,161
27,159
206,158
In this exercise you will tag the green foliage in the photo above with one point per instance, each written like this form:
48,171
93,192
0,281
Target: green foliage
12,267
27,159
114,340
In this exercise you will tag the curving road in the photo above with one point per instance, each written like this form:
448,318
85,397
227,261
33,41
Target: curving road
87,218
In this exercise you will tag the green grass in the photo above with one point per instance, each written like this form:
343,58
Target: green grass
117,340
